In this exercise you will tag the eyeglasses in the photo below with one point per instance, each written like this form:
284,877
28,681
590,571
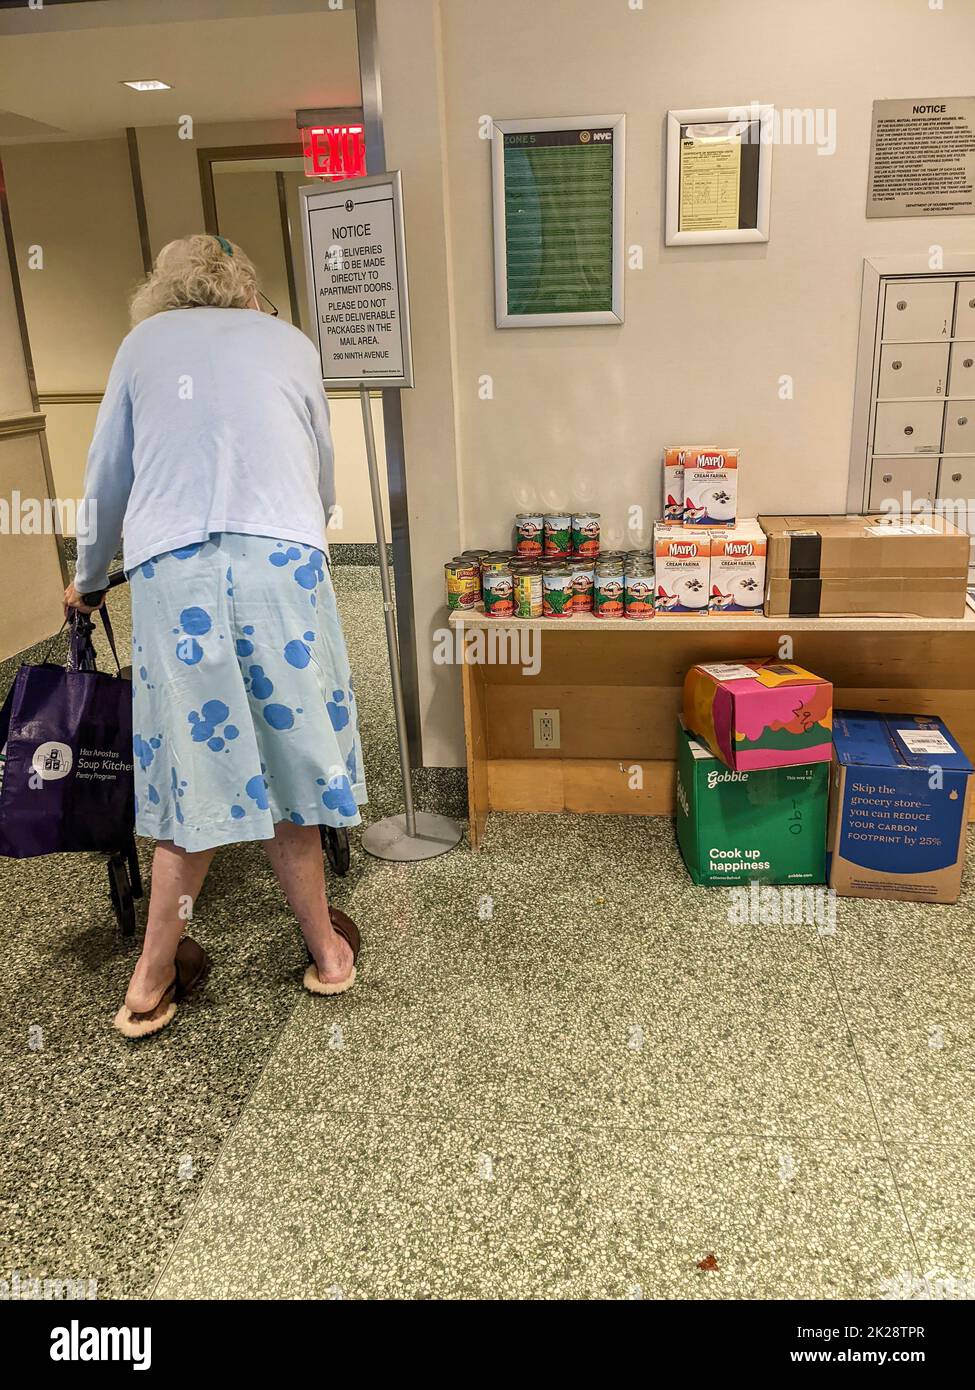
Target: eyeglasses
271,308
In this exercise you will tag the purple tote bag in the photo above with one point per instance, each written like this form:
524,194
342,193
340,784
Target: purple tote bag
67,780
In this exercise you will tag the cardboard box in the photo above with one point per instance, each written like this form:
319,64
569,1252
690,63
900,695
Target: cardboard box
682,570
710,487
673,499
749,827
761,713
891,833
848,566
737,585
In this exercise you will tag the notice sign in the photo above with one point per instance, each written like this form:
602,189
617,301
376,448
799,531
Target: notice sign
922,158
355,263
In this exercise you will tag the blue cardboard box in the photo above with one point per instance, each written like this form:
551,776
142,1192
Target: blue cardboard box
899,795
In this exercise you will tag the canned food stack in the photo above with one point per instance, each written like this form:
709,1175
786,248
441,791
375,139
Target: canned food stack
555,571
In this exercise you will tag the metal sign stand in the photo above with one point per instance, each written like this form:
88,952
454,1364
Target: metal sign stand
416,834
370,210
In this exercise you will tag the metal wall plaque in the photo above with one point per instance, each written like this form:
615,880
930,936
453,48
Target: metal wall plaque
922,158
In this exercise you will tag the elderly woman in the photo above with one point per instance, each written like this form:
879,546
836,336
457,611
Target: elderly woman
212,453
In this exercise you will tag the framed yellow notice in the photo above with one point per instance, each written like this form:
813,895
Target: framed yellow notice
710,179
718,175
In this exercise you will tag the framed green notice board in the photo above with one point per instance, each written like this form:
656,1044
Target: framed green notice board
558,221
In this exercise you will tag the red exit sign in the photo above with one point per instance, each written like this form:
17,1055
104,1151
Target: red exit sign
335,152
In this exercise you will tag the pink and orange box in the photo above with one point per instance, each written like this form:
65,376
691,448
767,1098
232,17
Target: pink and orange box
760,714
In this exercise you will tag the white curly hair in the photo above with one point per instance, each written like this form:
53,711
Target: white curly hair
194,272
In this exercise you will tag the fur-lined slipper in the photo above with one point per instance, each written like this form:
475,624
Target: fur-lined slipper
346,928
192,965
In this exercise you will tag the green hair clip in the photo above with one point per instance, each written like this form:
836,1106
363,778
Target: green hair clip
226,245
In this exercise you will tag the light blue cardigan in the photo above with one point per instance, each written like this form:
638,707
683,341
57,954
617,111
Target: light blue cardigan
213,420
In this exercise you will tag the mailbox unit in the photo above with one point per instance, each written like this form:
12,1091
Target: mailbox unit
914,417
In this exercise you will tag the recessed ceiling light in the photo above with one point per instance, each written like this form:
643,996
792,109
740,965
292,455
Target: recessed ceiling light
148,84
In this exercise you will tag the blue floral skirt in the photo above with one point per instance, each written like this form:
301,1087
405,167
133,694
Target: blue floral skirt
243,708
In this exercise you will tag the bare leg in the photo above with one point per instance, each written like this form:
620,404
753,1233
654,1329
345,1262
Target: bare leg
177,878
296,858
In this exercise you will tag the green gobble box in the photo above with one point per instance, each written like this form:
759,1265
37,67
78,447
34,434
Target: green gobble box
767,826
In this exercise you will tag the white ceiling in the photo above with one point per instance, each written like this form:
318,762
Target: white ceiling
226,60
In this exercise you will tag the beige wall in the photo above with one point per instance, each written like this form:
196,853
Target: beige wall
30,568
75,201
70,426
170,177
582,413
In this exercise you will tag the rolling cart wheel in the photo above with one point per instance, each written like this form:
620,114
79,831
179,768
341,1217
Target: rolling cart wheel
120,888
336,846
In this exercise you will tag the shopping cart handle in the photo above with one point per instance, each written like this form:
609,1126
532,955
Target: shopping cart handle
94,599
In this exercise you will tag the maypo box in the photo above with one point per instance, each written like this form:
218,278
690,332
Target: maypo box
749,827
673,499
898,808
738,569
682,570
710,487
756,714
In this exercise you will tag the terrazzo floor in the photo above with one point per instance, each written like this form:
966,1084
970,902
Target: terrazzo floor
562,1073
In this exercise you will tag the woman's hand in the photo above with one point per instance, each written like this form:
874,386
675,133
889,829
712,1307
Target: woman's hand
72,599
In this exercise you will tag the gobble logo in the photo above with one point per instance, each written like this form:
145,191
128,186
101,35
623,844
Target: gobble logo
52,761
716,778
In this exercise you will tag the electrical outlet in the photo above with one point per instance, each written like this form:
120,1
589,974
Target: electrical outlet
545,728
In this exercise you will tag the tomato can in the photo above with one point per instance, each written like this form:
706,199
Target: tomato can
494,563
463,584
528,593
607,594
498,587
557,592
531,533
638,595
557,528
585,533
582,584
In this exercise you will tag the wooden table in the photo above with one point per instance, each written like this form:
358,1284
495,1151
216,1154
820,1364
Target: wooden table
617,685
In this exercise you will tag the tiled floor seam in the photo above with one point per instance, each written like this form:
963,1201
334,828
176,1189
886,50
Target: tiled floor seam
227,1138
304,1113
870,1101
654,1132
